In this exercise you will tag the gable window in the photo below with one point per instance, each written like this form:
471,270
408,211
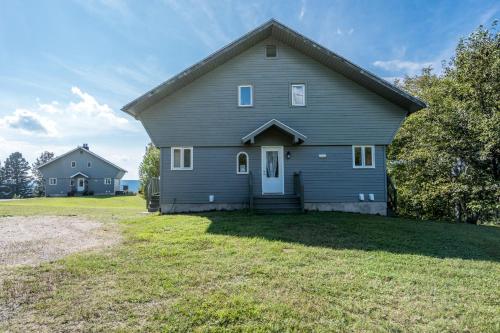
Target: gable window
363,156
73,164
245,95
89,164
271,51
298,93
181,158
242,163
52,181
107,181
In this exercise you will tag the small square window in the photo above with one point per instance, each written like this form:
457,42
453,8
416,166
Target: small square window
363,157
245,95
298,92
73,164
182,158
52,181
271,51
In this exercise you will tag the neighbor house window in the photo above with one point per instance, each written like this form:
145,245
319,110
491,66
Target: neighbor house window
242,163
181,158
107,181
363,156
52,181
245,95
271,51
73,164
89,164
298,93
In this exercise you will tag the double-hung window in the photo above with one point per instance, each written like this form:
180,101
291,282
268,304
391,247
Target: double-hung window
363,156
245,96
181,158
73,164
107,181
298,94
52,181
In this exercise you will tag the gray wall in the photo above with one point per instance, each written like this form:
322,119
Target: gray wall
338,111
62,170
326,180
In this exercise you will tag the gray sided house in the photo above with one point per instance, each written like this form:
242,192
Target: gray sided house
270,120
80,171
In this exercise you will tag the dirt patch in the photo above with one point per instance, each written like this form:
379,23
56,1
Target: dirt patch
30,240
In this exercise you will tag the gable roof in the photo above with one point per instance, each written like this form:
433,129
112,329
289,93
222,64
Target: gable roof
292,38
297,136
85,150
79,173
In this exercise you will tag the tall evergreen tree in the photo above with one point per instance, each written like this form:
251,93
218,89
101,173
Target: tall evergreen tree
38,186
2,172
446,158
16,173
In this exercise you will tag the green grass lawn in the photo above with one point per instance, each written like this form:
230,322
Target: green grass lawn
234,271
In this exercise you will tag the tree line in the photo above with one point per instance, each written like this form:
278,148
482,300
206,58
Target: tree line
445,159
20,179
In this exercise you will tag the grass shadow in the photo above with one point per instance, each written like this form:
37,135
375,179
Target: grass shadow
364,232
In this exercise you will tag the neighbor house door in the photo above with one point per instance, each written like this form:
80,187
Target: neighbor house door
272,170
80,185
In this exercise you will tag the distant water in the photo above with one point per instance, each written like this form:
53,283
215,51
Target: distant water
133,185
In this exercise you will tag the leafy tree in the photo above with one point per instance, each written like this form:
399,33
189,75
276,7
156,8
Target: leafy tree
445,160
39,188
16,173
150,165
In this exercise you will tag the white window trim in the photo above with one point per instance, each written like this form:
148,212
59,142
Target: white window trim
363,166
107,181
182,149
291,93
73,166
89,164
237,163
251,95
52,181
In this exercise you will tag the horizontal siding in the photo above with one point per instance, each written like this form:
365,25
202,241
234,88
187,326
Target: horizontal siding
326,180
62,170
338,110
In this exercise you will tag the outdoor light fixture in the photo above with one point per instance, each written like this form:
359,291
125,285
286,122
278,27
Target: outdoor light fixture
288,155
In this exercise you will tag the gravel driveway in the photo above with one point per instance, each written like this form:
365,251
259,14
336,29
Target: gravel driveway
30,240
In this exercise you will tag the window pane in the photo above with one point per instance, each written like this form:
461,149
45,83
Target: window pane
242,163
272,167
245,95
271,51
187,158
177,158
298,95
368,156
357,156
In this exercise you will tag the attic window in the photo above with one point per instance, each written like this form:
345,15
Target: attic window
271,51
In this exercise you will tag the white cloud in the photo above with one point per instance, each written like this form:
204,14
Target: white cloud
201,18
407,67
302,10
76,118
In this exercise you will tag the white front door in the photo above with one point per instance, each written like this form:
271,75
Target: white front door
272,170
80,184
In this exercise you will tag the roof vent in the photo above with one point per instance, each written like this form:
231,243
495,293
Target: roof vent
85,146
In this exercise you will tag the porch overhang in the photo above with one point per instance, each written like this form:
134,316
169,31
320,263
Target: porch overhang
79,174
298,137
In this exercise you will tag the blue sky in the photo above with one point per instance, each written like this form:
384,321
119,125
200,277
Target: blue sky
66,67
